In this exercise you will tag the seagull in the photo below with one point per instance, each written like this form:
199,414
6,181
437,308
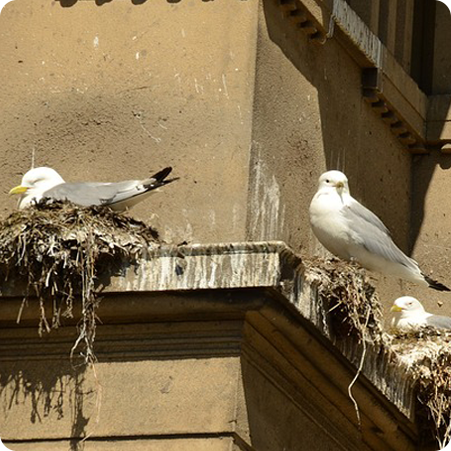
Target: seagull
45,182
350,231
408,313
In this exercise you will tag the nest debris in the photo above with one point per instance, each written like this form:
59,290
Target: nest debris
59,249
353,306
351,299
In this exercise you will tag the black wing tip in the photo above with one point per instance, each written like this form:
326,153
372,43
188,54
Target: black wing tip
435,285
159,179
161,175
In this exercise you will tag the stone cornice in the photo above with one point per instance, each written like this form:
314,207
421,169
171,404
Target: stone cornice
390,91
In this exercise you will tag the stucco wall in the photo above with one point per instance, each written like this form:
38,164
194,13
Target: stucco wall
115,90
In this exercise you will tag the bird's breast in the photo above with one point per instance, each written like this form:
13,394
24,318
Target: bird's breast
329,226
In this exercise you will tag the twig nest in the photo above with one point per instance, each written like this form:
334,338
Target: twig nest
59,249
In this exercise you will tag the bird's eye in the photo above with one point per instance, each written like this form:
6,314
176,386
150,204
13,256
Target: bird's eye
327,181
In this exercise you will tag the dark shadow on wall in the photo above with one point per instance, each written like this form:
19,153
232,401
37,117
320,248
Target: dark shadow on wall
355,140
67,3
274,406
52,389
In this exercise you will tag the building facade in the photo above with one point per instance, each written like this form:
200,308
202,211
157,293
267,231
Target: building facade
249,101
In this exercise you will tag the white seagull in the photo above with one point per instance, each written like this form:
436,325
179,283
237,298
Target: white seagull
408,313
350,231
45,182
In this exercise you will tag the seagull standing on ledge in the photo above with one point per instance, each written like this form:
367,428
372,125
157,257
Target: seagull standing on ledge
44,182
408,313
350,231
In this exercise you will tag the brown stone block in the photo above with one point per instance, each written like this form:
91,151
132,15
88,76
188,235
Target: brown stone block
151,397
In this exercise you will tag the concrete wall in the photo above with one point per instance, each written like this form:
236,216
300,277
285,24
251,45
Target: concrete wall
115,90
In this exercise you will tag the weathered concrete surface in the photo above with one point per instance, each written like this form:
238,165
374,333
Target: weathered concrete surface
431,222
130,398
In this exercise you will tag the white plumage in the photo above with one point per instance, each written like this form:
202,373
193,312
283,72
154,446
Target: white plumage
352,232
409,313
44,182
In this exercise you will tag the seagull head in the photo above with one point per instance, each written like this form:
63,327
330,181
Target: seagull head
334,180
34,183
407,305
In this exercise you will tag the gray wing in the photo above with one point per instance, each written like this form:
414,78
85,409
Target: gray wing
368,216
87,194
92,193
370,232
442,322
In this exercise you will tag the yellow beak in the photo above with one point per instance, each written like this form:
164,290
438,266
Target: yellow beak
395,308
18,189
339,185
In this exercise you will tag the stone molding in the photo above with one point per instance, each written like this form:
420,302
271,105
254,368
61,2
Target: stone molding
391,92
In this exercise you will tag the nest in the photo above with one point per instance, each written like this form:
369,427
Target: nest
425,354
59,250
351,299
353,306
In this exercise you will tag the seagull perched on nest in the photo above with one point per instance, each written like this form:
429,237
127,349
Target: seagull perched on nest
45,182
352,232
408,313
